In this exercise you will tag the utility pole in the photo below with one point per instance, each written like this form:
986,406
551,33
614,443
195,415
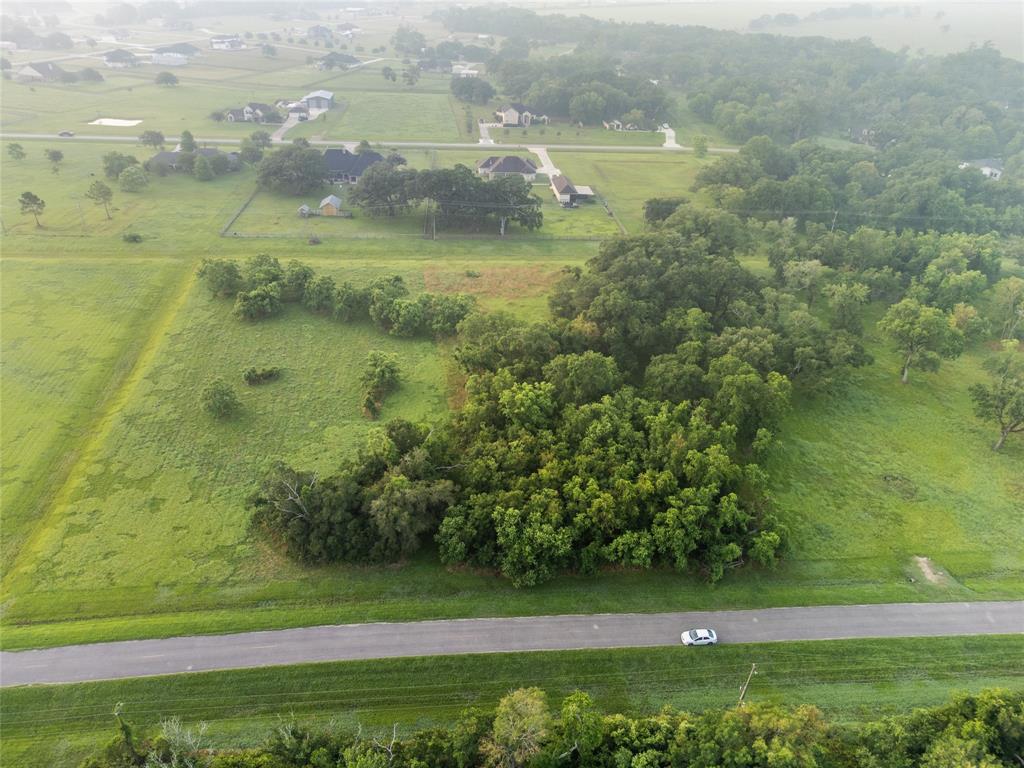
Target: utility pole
743,688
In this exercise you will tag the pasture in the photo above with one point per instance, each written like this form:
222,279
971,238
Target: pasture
850,681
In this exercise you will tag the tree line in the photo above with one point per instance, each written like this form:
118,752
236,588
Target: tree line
261,286
982,730
458,196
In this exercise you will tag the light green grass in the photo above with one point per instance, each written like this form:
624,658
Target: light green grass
158,504
386,116
627,181
849,680
563,133
68,337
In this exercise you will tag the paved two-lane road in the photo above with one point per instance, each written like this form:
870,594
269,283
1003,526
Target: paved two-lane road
138,658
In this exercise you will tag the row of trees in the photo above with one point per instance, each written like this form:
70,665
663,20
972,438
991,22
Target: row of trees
980,730
261,286
892,189
458,196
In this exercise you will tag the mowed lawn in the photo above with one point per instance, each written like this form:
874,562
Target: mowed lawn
627,181
377,116
849,680
69,332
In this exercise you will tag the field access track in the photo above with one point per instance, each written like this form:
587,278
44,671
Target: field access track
139,658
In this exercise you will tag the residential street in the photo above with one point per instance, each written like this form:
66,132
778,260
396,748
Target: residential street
138,658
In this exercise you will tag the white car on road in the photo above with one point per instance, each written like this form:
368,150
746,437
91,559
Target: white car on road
699,637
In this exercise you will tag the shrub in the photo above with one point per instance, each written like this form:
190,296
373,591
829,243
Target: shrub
219,399
263,301
254,376
132,237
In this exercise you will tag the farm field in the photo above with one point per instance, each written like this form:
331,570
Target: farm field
51,725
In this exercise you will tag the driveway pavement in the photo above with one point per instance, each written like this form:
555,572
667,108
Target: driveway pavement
138,658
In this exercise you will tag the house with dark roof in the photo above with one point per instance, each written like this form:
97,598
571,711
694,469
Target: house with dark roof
519,115
120,59
495,167
342,166
182,49
173,160
336,60
567,193
44,72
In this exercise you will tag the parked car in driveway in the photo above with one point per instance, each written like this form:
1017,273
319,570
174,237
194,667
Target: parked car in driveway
699,637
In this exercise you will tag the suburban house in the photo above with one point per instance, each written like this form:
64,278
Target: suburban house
989,167
347,30
318,100
465,70
495,167
120,59
169,59
46,72
567,193
319,32
330,206
253,112
182,49
227,43
336,60
346,167
169,160
518,115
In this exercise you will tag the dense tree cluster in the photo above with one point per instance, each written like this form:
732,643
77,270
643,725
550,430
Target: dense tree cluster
475,90
458,196
261,286
624,432
294,170
982,730
892,189
785,87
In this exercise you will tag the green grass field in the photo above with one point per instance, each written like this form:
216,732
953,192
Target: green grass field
850,681
388,116
626,181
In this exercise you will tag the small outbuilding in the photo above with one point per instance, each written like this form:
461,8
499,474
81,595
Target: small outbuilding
305,211
318,100
990,168
330,206
567,193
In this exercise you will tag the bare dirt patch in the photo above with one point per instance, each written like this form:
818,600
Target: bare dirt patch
492,282
930,572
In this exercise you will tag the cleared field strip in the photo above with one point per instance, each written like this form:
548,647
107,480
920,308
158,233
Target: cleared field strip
102,424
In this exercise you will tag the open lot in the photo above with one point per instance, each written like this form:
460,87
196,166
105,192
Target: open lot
51,725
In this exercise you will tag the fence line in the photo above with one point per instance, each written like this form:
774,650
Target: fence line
239,212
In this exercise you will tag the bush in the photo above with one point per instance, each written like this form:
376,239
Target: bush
219,399
255,376
132,237
261,302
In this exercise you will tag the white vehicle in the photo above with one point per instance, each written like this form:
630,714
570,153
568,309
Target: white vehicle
699,637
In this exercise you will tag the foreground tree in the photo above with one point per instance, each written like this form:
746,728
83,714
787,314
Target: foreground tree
153,139
16,151
133,179
166,78
1002,399
380,377
55,156
922,335
522,726
222,276
32,203
219,399
101,194
1008,304
187,142
293,169
115,162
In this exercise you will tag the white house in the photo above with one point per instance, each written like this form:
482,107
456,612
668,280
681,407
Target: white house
989,167
169,59
227,43
515,115
318,100
465,70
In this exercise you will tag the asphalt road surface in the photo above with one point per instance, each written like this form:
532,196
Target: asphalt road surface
172,140
139,658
